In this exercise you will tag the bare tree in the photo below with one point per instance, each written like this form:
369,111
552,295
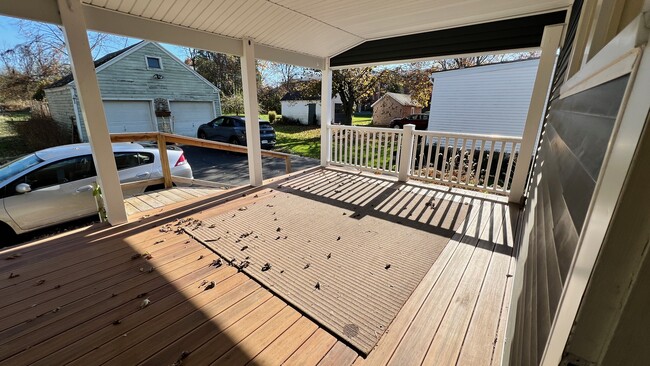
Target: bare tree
51,40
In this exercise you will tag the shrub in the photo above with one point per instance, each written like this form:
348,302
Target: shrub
288,121
42,132
272,116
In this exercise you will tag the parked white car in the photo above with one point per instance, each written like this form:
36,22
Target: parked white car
55,185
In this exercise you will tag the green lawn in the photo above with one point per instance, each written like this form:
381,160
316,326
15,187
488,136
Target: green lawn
11,145
362,120
305,140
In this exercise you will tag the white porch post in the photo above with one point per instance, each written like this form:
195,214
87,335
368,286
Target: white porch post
406,153
325,114
251,112
92,108
550,44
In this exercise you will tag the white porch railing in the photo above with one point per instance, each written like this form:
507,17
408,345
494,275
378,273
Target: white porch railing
366,148
481,162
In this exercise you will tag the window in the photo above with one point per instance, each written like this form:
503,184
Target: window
154,63
217,122
227,122
15,167
126,160
60,172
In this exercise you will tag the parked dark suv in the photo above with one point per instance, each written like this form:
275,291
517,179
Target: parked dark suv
420,120
232,130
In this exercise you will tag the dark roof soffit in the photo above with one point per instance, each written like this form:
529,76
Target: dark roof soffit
524,32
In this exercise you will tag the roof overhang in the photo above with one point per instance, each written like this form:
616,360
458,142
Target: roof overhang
504,35
308,33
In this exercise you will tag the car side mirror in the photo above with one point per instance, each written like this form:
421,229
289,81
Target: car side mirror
23,188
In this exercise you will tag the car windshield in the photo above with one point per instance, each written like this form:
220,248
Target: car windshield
10,169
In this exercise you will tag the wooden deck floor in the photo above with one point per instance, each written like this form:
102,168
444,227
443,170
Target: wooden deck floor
137,295
151,200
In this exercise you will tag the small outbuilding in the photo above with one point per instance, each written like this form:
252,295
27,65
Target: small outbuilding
391,106
304,108
144,88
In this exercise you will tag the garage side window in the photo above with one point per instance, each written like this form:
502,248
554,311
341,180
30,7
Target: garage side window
60,172
125,160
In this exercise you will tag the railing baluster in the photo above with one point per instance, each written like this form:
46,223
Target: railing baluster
511,158
423,142
398,152
385,150
497,174
414,148
488,168
341,145
372,155
378,155
428,161
435,158
391,152
479,164
470,162
367,143
454,153
444,159
335,150
355,138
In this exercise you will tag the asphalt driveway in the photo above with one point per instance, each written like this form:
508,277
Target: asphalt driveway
232,168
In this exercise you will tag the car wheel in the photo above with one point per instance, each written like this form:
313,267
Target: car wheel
397,127
201,135
7,234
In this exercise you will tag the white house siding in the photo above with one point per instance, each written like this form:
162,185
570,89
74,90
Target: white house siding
298,109
61,107
129,79
490,99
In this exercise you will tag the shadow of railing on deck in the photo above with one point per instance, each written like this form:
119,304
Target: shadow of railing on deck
417,206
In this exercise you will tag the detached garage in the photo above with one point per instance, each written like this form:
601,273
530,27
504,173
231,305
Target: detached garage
144,88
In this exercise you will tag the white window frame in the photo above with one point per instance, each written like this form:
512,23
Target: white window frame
146,62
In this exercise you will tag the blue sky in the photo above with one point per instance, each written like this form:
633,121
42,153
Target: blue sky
10,36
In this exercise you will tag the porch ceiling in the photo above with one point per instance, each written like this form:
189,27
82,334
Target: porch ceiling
289,28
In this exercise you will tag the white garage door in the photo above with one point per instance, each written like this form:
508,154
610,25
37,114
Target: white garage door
188,116
128,116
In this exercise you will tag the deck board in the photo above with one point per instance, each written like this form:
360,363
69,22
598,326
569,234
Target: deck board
456,315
